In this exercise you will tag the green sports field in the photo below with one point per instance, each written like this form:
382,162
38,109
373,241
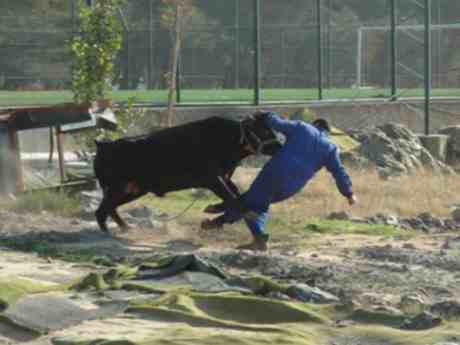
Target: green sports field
246,96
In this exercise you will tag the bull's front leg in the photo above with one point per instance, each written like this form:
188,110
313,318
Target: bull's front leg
227,191
104,209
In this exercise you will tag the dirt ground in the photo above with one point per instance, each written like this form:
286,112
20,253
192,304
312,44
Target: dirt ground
365,269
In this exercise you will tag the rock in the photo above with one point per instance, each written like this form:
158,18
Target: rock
141,212
391,220
452,243
456,215
376,147
339,216
428,161
453,144
150,223
308,294
409,246
385,219
89,202
395,151
412,304
398,131
450,224
422,321
414,223
354,160
430,221
447,309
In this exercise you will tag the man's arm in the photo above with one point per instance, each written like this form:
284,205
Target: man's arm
342,179
279,124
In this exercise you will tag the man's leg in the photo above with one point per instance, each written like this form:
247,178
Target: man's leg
256,223
253,207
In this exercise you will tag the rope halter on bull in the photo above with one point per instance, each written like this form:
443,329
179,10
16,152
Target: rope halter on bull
260,143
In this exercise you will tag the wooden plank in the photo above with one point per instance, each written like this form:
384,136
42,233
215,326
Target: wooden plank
60,147
16,152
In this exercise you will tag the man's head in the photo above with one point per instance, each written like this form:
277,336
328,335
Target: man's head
322,125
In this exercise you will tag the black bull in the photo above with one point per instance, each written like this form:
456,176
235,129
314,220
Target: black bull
201,154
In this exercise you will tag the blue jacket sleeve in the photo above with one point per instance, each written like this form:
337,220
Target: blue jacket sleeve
278,124
342,179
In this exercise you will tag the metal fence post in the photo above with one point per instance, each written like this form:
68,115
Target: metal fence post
257,52
319,49
178,77
393,50
237,45
150,48
328,44
427,65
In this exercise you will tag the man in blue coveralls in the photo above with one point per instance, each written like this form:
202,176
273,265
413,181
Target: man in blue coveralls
307,149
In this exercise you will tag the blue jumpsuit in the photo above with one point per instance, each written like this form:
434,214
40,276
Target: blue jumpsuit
306,151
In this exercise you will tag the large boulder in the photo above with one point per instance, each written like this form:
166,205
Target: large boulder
393,150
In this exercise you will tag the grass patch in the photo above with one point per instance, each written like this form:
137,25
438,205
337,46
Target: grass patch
9,98
58,203
281,225
280,222
177,202
324,226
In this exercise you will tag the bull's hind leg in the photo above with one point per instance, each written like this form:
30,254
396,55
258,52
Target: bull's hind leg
102,213
112,199
124,200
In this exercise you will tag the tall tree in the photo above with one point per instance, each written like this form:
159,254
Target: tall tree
175,17
95,49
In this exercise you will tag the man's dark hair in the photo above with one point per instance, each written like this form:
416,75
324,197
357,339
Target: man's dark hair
322,125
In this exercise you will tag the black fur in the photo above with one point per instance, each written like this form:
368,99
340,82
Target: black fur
201,154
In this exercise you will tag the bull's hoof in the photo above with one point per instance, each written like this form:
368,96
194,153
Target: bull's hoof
214,209
104,229
210,224
102,226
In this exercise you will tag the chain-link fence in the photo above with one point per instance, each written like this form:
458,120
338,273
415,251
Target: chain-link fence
341,49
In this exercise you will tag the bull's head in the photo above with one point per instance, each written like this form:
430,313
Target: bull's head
259,136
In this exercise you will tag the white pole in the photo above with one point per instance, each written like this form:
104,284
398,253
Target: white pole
359,58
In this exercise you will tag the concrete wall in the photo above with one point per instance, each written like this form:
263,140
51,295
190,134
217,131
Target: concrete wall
345,115
352,115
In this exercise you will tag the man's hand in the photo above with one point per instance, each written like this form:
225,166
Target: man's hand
352,200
